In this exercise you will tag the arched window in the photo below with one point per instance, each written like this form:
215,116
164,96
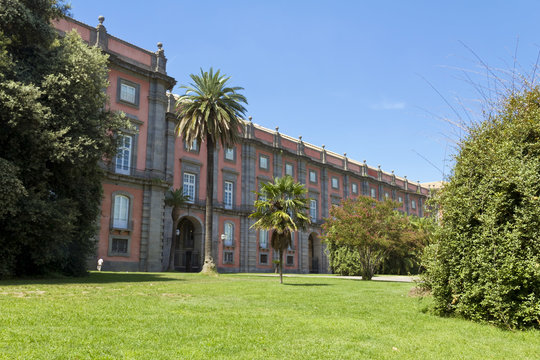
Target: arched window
121,212
123,156
229,234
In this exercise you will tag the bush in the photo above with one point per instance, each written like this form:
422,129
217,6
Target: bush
485,262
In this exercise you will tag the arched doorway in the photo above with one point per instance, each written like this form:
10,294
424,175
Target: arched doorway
314,253
187,254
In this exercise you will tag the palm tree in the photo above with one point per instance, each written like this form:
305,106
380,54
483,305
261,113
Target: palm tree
281,207
176,199
210,111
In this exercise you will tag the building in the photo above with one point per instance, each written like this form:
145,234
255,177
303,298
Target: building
135,228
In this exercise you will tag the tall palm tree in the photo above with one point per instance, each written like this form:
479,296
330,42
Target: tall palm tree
281,207
210,111
176,199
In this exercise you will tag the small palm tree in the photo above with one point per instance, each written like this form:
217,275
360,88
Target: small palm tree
176,199
210,111
281,207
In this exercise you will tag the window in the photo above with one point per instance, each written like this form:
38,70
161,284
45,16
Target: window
194,146
290,260
386,195
373,193
313,209
400,199
354,188
121,212
263,239
289,169
123,155
228,257
119,246
263,258
413,204
263,162
128,92
229,234
228,195
229,154
312,176
189,186
335,182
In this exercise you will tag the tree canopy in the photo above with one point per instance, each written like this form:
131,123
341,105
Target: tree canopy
485,262
53,133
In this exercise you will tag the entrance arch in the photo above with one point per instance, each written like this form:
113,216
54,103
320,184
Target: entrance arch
188,246
314,252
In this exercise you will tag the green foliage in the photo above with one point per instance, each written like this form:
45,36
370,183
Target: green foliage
53,133
485,261
281,206
361,233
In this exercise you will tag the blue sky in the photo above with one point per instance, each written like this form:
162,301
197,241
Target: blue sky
353,75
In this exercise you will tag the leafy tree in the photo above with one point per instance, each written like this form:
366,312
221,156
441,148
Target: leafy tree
485,260
53,133
281,207
210,111
176,199
362,232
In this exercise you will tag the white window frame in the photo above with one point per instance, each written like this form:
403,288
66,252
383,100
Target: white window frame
228,230
335,182
266,162
229,154
228,193
373,193
190,186
263,239
400,199
123,154
354,188
121,212
313,209
413,204
291,167
128,93
314,179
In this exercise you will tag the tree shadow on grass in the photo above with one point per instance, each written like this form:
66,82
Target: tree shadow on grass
308,284
93,278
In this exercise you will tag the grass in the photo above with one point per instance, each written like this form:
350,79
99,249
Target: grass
189,316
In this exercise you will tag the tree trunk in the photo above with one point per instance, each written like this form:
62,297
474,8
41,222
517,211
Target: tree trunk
209,266
175,214
280,266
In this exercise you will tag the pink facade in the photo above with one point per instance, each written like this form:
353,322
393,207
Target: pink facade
136,229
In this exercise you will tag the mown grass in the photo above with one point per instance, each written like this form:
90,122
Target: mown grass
189,316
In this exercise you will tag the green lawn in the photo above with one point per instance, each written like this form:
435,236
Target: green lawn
189,316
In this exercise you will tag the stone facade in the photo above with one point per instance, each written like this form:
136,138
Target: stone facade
135,228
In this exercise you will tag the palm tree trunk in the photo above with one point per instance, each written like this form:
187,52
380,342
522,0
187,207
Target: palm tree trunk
280,266
209,266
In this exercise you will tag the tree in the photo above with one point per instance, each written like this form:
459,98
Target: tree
281,207
53,134
210,111
176,199
369,231
485,261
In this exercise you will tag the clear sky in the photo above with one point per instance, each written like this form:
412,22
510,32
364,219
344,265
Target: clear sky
353,75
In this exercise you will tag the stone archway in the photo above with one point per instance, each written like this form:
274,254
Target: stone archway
188,247
314,253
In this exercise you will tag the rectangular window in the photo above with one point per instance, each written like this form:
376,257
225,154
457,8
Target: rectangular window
312,176
228,195
121,212
313,209
386,196
400,199
263,258
263,239
228,257
229,234
128,92
373,193
229,154
289,169
290,260
123,156
263,162
119,246
193,146
354,188
413,204
189,186
335,183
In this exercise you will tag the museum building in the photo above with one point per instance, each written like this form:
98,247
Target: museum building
135,227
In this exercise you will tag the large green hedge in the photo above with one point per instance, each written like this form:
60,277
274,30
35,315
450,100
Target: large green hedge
485,262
